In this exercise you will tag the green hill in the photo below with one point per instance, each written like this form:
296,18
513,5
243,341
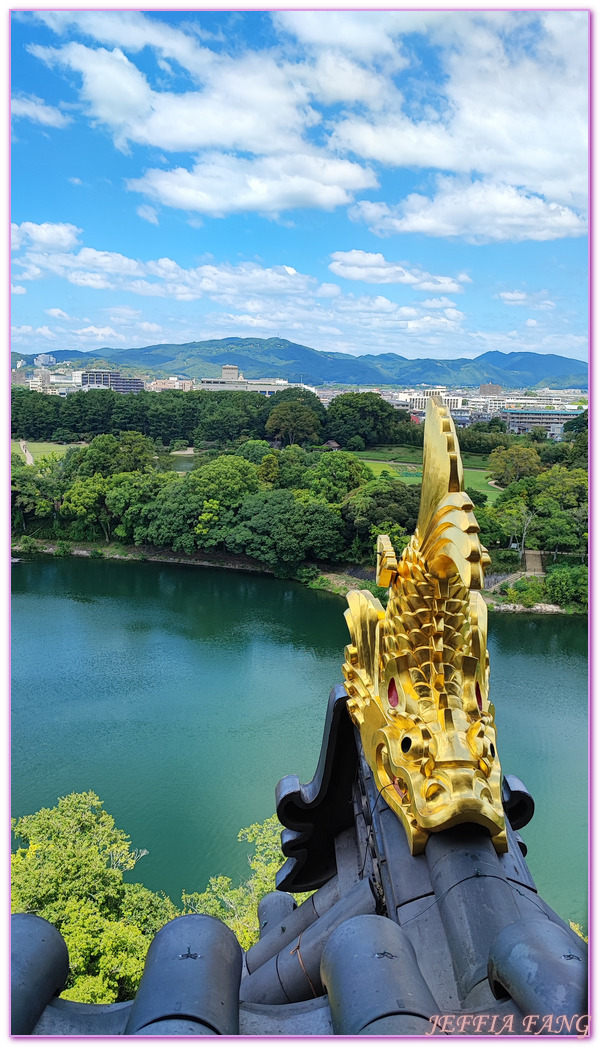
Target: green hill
279,358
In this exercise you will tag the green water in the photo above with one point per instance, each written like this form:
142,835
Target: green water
181,695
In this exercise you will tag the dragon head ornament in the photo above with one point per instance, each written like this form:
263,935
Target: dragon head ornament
417,674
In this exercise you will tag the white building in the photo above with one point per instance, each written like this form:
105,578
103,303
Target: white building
159,385
233,380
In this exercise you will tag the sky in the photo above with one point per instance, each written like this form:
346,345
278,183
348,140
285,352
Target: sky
412,182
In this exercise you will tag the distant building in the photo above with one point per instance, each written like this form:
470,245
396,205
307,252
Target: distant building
110,380
159,385
40,383
233,380
44,360
523,420
419,401
489,389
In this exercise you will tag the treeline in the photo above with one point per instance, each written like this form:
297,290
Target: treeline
291,415
354,420
283,508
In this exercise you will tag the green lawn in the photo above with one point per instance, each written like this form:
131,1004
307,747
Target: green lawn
411,474
39,449
414,455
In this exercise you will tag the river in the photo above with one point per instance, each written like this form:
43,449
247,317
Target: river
181,695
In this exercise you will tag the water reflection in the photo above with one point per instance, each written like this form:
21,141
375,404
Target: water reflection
181,695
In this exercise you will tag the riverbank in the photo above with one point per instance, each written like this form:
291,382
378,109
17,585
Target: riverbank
337,582
117,551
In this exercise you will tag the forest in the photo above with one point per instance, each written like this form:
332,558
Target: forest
264,487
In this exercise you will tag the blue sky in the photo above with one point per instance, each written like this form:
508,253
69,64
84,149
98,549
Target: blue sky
356,181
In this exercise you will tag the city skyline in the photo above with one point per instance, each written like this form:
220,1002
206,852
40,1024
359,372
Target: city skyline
394,181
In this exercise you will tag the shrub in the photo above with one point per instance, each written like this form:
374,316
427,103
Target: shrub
96,554
568,586
526,591
63,548
355,443
27,544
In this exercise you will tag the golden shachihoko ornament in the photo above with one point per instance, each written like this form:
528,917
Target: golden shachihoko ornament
417,674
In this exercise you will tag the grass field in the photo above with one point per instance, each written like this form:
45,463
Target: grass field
39,449
414,455
411,474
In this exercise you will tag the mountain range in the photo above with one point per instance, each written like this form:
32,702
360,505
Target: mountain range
279,358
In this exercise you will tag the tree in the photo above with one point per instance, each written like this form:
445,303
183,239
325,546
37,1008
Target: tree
254,450
511,463
538,434
336,475
515,519
237,906
479,498
135,452
374,506
360,414
85,502
129,497
568,585
298,396
71,873
282,531
35,491
568,487
579,424
293,421
100,457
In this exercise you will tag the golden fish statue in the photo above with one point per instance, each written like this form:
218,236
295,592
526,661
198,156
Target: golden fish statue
417,674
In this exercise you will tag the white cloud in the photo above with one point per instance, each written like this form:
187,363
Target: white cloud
334,77
98,333
75,181
479,212
512,107
513,297
123,312
57,314
50,236
531,323
17,289
147,213
45,332
95,281
532,299
375,269
234,110
132,31
38,111
328,291
223,184
437,303
362,33
270,299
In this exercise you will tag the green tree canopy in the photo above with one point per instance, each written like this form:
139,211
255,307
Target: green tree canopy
360,414
283,531
336,474
71,873
511,463
294,422
579,424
